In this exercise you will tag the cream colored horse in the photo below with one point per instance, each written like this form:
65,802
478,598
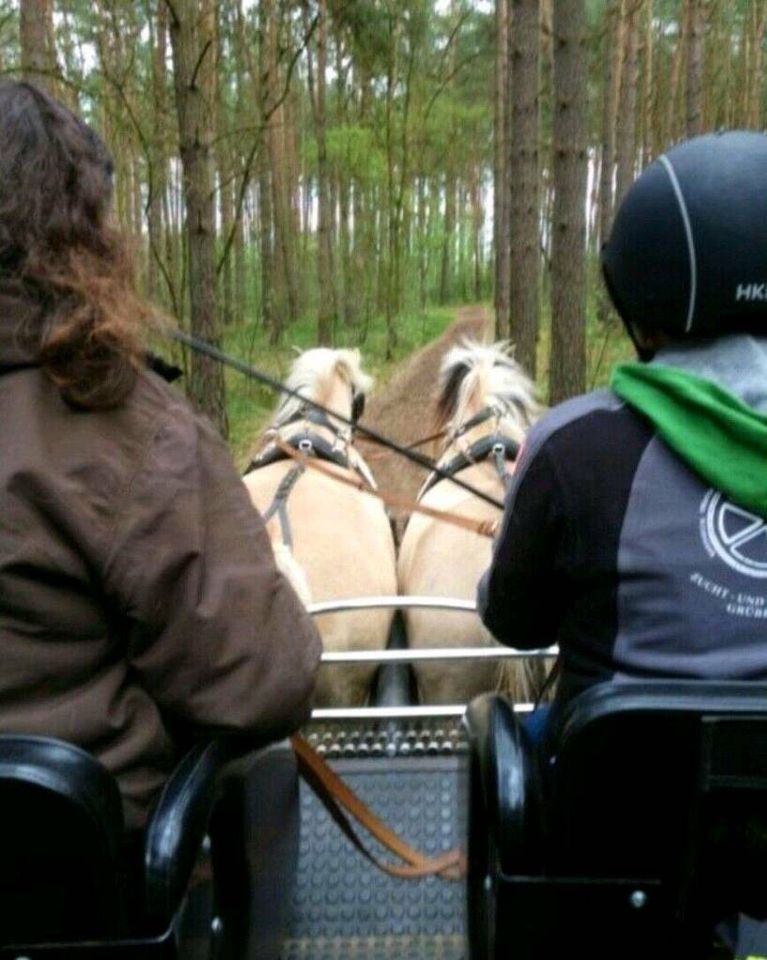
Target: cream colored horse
484,398
342,544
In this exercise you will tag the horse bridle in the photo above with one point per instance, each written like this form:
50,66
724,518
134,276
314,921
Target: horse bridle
501,448
374,436
311,444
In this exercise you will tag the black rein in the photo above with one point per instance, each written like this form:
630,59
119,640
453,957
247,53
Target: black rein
201,346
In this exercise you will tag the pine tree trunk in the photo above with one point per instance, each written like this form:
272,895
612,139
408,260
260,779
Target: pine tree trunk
674,98
192,30
270,317
477,219
38,56
612,84
694,38
524,176
324,213
285,283
757,19
158,276
501,170
568,289
648,86
627,126
448,242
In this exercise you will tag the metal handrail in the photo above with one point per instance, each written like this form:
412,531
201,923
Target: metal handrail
414,656
400,713
410,656
391,602
436,653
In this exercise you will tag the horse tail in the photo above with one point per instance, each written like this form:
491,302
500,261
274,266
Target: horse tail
292,569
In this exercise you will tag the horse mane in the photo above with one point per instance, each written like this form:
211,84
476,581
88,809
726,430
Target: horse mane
312,374
489,375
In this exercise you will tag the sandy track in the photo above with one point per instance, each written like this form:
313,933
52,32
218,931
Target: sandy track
402,408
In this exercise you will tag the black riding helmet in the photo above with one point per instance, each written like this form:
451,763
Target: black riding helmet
687,255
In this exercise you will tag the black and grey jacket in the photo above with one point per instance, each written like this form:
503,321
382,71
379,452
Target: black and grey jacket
614,549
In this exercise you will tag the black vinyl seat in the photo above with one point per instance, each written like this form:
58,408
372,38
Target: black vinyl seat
643,834
67,887
61,830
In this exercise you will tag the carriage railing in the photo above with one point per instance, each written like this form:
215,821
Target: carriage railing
411,656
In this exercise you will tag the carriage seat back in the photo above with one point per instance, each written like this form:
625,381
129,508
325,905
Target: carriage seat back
666,780
61,829
644,831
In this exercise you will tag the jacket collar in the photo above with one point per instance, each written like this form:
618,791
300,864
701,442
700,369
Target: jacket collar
736,363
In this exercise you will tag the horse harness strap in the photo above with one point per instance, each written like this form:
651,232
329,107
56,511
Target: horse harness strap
482,417
485,528
496,446
339,801
279,504
309,444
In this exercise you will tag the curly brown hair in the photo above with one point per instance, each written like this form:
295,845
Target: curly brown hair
58,249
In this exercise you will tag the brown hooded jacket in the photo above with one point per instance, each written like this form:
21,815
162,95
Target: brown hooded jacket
140,605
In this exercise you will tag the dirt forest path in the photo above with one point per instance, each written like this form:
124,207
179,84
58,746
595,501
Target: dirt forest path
401,409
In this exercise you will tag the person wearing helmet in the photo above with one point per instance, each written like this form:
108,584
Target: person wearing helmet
635,531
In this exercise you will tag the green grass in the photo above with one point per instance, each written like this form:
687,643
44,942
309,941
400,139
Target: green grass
250,404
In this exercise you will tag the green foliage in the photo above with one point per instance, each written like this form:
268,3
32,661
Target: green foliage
354,153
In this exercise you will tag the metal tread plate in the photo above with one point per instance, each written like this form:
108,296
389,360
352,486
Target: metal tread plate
375,948
419,737
341,897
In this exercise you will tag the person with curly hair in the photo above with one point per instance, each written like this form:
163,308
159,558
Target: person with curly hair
140,605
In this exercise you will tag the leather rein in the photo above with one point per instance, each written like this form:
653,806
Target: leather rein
310,450
342,803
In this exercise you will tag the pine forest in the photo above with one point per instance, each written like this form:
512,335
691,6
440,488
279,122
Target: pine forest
339,171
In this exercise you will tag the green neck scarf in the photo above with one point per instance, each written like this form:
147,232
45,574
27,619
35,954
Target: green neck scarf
719,437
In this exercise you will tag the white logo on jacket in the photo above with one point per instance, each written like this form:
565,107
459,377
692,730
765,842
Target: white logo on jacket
736,536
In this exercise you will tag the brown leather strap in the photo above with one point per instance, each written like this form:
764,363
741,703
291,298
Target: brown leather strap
485,528
335,795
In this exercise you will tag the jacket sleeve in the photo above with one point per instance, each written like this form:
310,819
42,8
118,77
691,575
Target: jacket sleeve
217,635
519,598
